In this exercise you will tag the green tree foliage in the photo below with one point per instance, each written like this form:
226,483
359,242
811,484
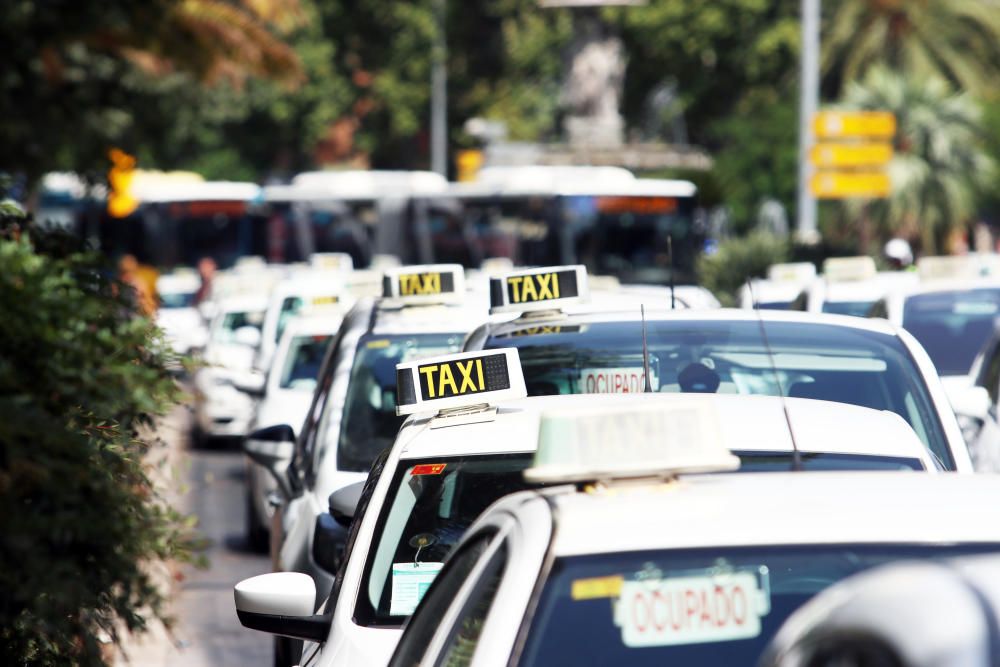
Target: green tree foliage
80,77
939,162
738,259
80,377
957,40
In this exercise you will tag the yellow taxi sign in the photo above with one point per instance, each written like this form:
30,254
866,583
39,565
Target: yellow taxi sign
842,124
545,288
958,267
459,380
332,261
848,185
851,155
424,283
794,272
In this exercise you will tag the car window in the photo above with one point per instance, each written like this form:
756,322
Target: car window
423,624
818,361
369,422
990,377
716,606
303,361
463,637
290,306
177,300
854,308
952,326
782,462
231,321
305,446
429,505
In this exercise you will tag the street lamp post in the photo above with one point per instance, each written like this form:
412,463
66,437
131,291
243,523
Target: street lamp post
439,94
807,229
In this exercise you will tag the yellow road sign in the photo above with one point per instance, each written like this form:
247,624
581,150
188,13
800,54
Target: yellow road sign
847,185
851,155
842,124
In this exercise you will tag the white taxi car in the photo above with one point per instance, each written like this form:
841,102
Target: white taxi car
178,314
782,286
447,466
220,409
568,348
635,560
284,399
850,286
352,417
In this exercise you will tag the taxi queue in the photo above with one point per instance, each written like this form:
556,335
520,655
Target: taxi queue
534,466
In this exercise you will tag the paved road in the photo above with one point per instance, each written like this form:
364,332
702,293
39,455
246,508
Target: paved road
207,631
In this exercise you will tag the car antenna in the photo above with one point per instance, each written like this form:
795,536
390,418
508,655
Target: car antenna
670,262
647,386
796,455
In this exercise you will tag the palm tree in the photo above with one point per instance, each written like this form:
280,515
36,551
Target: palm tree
957,40
939,159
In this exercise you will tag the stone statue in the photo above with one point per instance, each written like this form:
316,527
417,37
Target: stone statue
593,85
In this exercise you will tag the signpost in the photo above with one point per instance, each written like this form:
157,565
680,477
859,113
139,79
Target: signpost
853,151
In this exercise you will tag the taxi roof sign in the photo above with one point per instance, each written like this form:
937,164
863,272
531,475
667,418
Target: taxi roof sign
544,288
796,272
459,381
963,267
424,284
648,439
332,261
849,269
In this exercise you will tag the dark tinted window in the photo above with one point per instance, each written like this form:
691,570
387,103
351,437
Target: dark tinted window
817,361
305,356
952,326
855,308
781,462
369,423
690,607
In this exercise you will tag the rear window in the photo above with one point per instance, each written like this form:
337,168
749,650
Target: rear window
691,607
818,361
952,326
305,356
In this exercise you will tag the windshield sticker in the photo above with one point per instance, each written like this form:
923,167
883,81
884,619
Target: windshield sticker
409,583
325,300
377,344
428,469
615,380
975,308
597,587
690,610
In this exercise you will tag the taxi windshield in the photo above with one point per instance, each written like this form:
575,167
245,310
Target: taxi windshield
855,308
818,361
177,299
952,326
691,607
429,505
231,321
305,355
370,424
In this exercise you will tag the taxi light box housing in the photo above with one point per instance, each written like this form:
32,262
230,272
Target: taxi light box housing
459,381
424,284
544,288
849,269
647,439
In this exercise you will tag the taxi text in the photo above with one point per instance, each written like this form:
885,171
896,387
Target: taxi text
536,287
453,378
413,284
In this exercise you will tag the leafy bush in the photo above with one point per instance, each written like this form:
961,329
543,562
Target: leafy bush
82,376
737,259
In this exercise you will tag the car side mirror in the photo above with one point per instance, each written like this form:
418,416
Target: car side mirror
344,502
249,336
272,448
281,603
971,402
251,382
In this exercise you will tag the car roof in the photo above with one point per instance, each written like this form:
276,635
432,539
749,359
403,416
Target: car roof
313,325
748,423
779,508
461,318
243,303
688,315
